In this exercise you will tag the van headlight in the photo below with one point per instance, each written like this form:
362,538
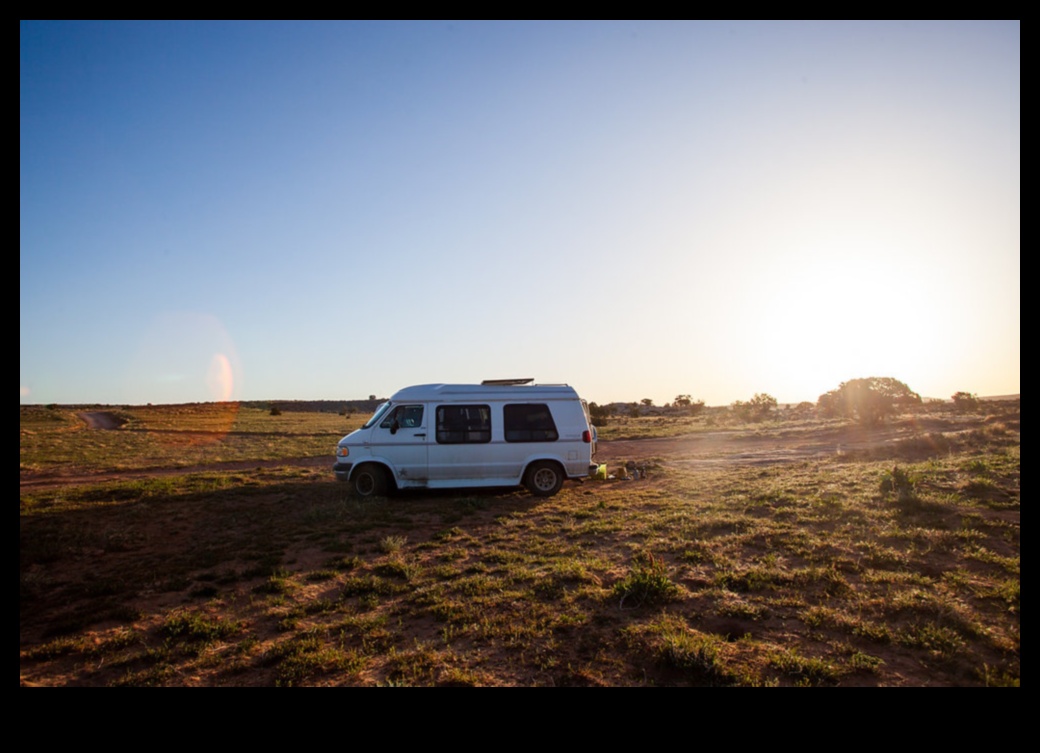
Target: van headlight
342,452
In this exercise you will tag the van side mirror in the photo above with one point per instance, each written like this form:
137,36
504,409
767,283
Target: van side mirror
394,426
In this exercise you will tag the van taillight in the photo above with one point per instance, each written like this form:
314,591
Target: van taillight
586,437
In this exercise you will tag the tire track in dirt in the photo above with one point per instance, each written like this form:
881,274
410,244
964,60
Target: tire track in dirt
713,450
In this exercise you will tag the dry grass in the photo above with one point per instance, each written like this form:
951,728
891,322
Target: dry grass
181,436
852,570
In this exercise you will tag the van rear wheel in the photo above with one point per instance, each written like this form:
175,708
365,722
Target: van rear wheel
369,481
544,478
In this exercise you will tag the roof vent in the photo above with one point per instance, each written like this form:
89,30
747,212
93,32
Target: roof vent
505,382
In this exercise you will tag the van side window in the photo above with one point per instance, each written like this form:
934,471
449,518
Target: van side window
529,423
406,416
463,424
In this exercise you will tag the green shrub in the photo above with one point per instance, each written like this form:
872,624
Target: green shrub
901,483
647,583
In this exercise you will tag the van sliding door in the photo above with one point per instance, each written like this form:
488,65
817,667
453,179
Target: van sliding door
461,446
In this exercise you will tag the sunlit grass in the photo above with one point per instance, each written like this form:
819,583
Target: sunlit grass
819,573
176,436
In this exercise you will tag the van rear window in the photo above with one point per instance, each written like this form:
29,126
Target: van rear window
529,423
463,424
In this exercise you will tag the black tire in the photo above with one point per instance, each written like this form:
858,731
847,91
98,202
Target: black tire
543,478
368,481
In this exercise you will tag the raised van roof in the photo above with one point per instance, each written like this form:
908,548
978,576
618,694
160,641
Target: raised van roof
488,391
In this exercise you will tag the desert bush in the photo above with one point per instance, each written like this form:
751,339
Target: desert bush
598,414
758,408
965,401
870,400
804,409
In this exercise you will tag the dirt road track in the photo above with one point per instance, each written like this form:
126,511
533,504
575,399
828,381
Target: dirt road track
702,450
744,448
101,420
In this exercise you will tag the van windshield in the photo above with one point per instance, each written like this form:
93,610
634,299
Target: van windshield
377,415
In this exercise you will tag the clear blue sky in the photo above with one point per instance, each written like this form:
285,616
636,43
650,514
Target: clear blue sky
330,210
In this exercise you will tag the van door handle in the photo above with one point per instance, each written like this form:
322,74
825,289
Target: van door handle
419,435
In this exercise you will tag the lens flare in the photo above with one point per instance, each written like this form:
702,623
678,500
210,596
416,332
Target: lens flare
220,379
188,358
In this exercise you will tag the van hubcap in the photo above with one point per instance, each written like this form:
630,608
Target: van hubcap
544,479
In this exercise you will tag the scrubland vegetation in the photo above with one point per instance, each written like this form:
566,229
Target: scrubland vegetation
891,560
53,439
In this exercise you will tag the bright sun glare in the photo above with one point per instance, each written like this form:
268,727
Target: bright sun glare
843,310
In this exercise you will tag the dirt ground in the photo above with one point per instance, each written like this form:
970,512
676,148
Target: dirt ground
703,450
707,450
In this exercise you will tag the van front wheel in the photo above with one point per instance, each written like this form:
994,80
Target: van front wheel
544,478
369,481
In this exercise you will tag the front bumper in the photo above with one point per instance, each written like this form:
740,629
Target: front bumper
342,471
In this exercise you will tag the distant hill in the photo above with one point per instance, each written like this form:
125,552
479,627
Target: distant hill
368,406
317,406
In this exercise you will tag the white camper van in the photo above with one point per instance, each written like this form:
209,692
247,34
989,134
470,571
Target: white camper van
503,432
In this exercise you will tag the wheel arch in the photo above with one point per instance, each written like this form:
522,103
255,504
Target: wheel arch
384,466
534,466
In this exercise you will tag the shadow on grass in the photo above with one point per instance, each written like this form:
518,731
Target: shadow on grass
89,554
